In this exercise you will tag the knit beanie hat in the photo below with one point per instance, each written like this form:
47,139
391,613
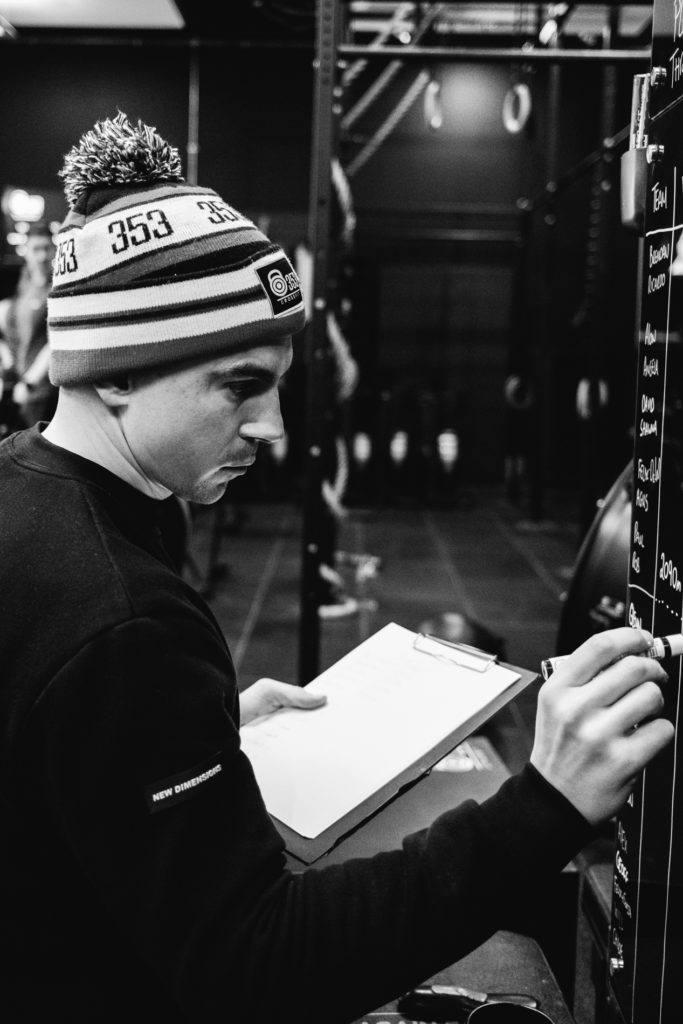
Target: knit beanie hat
150,270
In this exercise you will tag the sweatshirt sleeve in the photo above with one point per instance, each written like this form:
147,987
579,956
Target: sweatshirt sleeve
136,760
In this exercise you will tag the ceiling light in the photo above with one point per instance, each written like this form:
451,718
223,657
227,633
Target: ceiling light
19,205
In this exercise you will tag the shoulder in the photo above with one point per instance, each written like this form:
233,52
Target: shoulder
155,674
84,585
145,674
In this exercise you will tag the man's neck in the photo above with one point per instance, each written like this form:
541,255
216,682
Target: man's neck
83,425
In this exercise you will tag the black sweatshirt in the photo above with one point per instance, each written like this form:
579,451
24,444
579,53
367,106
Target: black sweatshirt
139,870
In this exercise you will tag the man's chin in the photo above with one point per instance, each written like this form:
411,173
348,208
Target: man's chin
209,494
211,488
206,492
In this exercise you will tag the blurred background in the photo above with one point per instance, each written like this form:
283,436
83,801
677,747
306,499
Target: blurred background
481,359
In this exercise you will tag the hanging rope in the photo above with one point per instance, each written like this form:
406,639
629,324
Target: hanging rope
347,378
333,494
358,66
389,73
371,94
386,128
343,191
347,368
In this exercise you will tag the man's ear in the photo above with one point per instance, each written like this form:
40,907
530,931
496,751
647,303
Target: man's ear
116,391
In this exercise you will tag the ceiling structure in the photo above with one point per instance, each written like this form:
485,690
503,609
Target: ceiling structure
503,20
91,14
234,20
290,22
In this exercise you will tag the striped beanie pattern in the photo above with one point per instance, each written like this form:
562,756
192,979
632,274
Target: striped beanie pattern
150,270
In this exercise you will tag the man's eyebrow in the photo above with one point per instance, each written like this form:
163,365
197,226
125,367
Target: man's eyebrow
244,369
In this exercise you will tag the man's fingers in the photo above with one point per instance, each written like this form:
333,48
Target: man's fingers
644,701
309,700
599,651
646,742
614,682
299,697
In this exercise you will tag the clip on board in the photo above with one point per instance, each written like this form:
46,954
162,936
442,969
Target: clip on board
454,653
391,714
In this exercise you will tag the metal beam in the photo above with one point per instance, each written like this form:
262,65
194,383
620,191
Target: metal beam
515,54
151,39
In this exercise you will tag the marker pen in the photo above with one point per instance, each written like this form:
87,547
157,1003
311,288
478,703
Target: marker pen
661,647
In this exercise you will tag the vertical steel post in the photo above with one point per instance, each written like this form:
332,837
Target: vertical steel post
193,114
594,331
322,150
545,335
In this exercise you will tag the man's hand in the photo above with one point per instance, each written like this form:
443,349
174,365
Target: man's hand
596,724
266,695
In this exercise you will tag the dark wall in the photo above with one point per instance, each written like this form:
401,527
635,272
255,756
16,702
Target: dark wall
254,122
52,94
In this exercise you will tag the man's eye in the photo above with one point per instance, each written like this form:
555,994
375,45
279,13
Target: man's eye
245,388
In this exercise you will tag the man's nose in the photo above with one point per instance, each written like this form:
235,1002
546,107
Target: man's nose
267,425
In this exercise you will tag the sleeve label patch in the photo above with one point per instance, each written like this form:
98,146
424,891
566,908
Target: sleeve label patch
168,792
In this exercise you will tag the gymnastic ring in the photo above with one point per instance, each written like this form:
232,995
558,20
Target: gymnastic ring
519,94
518,393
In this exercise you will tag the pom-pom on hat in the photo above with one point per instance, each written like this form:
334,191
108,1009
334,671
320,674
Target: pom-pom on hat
150,270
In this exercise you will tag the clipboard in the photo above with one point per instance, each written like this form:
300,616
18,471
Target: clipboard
471,667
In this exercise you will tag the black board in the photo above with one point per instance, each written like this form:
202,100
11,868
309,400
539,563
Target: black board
646,933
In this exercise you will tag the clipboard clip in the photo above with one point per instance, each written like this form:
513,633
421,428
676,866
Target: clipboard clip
454,653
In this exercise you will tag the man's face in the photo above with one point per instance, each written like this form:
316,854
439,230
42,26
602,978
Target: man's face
38,254
196,428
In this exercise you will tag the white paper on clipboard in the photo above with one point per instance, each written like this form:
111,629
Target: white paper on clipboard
387,705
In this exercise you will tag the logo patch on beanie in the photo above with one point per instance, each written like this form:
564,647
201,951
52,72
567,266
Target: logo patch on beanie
281,285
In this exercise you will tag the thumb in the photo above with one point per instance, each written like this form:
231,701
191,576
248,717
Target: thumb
299,697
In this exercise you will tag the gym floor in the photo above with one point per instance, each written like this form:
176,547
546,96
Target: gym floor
478,559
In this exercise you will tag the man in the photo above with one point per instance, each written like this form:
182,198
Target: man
140,871
24,353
